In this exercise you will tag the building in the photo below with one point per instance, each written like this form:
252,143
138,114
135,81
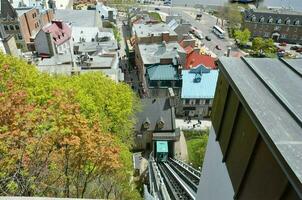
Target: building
8,46
23,22
153,33
107,64
180,27
106,13
197,93
156,122
80,18
254,147
160,77
54,39
280,25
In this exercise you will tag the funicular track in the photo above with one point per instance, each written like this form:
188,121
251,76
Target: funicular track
177,185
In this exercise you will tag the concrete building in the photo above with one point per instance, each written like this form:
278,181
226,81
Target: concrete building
254,147
54,38
23,23
280,25
8,46
106,12
107,63
156,122
197,93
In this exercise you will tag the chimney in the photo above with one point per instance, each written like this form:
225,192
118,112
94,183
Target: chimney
229,52
58,23
165,36
196,50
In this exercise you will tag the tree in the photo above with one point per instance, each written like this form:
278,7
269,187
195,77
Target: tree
242,36
263,46
232,14
59,134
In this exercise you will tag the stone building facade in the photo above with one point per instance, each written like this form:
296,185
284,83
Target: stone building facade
280,25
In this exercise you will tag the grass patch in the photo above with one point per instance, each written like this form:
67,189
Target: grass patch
196,144
155,16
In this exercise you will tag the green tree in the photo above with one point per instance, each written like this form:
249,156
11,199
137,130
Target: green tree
232,14
242,36
263,46
59,135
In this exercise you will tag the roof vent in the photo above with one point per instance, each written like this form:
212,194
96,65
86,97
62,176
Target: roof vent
160,123
146,123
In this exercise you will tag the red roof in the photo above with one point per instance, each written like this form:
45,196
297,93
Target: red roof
194,59
59,31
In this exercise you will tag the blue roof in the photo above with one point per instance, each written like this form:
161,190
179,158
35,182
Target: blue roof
161,146
162,72
199,83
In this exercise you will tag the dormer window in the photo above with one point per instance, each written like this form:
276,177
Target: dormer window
254,18
297,22
279,21
287,21
160,123
261,19
55,39
146,124
270,20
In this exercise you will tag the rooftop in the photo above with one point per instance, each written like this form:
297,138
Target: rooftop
89,18
195,58
152,53
154,110
59,31
145,30
271,91
162,72
96,47
199,83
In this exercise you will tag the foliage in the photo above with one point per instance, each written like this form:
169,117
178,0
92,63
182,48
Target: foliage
116,32
59,136
196,143
263,46
155,16
232,14
242,36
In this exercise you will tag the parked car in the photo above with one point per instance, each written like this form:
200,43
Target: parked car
283,44
299,50
208,38
217,47
156,8
295,48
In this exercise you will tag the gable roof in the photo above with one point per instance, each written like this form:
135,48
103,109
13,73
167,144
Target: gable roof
194,59
59,31
7,10
199,83
271,92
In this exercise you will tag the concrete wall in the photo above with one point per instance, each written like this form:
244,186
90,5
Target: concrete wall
214,182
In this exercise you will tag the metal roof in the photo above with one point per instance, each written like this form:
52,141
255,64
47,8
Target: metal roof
199,83
162,72
145,30
154,110
88,18
162,146
271,92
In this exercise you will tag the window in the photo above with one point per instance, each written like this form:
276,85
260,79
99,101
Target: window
270,20
55,39
12,27
277,28
297,22
283,36
17,27
279,21
19,36
253,18
266,34
261,19
207,101
197,101
5,27
187,101
63,34
287,21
